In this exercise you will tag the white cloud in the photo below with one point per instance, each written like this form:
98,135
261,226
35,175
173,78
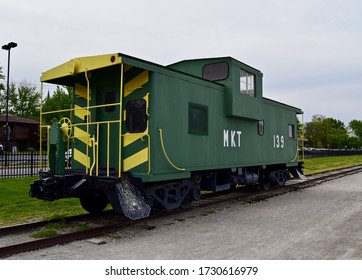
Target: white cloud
307,50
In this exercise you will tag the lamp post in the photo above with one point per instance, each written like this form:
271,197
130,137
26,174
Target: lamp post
8,47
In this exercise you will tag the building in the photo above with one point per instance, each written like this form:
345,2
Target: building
24,133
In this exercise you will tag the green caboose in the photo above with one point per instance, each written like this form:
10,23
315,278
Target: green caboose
143,135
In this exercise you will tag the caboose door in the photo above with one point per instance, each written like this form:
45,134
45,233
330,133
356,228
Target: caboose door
97,120
136,140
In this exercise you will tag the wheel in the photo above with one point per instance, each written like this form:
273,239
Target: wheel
193,195
265,181
93,203
281,177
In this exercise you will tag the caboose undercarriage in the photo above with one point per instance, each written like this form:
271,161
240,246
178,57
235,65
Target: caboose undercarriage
135,199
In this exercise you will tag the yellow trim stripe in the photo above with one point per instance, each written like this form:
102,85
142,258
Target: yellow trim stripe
81,158
80,112
130,138
136,83
81,135
135,160
81,91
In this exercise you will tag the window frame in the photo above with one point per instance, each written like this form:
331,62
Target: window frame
215,77
248,91
261,127
143,114
195,129
291,131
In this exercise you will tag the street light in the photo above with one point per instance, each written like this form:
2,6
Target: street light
8,47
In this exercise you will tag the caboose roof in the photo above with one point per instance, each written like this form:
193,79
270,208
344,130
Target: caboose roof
61,73
181,64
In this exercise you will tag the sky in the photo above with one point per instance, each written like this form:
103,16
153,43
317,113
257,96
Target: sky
310,51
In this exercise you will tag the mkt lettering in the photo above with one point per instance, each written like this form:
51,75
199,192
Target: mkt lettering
232,138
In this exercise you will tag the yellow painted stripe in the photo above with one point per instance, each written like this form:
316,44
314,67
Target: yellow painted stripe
136,83
81,158
81,135
130,138
81,91
80,112
135,160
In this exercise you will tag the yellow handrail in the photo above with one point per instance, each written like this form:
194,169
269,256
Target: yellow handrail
94,143
120,119
88,120
108,138
296,155
166,156
97,152
40,128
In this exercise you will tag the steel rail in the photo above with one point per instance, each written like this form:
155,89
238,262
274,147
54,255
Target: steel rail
57,240
28,226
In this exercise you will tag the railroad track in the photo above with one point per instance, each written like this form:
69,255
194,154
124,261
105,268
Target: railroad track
240,194
30,226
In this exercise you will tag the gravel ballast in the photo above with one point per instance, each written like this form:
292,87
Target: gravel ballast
322,222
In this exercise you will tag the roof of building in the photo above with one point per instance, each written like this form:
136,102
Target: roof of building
15,119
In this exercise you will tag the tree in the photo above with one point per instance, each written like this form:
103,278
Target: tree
2,77
324,132
356,128
2,89
60,100
355,131
314,132
354,143
24,101
336,133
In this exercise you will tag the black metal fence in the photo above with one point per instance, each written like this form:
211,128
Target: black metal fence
21,164
315,153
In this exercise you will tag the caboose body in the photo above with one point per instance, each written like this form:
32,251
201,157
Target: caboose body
143,135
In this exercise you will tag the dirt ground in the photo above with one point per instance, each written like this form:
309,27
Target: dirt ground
322,222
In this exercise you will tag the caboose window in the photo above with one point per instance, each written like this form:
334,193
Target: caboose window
247,83
216,71
261,127
198,119
291,131
136,117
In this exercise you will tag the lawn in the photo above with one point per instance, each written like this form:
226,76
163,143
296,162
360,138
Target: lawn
17,207
315,165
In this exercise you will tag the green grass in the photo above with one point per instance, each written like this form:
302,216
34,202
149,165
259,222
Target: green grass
17,207
45,233
315,165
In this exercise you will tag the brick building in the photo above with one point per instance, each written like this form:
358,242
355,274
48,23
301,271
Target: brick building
24,133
